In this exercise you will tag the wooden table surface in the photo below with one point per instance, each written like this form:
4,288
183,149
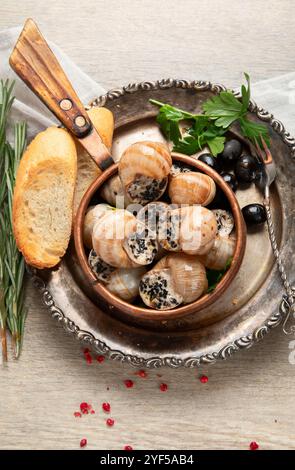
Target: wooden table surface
250,397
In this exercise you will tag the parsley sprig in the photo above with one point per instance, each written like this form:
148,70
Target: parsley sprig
220,112
200,130
214,277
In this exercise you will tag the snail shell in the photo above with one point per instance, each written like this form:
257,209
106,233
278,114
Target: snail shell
225,222
192,188
93,214
109,234
141,246
178,167
219,255
175,279
101,269
152,215
125,282
143,169
197,229
190,229
157,290
113,192
168,230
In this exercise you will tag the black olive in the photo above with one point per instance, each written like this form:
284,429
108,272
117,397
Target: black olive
230,179
232,150
220,200
254,214
246,168
210,161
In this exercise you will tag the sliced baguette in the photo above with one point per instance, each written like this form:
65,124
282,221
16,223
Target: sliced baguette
88,171
43,197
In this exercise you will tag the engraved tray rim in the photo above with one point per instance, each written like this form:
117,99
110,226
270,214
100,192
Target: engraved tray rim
172,361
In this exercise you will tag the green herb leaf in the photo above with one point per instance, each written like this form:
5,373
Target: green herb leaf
170,128
216,145
188,145
224,108
214,277
253,131
220,112
245,94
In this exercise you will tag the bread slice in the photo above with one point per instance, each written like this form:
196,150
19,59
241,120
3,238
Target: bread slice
88,171
43,197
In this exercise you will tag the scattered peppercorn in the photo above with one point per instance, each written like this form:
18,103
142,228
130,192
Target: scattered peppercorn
106,407
142,374
128,383
163,387
83,442
85,408
204,379
254,446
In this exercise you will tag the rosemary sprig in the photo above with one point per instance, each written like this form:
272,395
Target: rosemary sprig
12,311
14,260
6,100
3,286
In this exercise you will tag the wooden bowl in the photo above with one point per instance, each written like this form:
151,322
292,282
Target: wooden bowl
130,312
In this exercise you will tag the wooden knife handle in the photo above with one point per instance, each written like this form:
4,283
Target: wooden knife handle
34,62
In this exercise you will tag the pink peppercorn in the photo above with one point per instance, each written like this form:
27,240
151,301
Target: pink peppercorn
128,383
83,442
106,407
163,387
254,446
204,379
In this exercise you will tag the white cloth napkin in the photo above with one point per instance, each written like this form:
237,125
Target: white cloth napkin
276,95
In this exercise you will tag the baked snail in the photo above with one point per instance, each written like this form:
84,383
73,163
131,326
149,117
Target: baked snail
225,222
121,241
153,215
190,229
178,167
93,214
141,246
168,231
175,279
123,282
108,237
192,188
143,169
101,269
113,192
220,254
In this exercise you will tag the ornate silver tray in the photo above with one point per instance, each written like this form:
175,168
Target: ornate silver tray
251,307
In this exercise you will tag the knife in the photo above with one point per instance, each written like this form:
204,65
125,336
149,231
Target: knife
35,63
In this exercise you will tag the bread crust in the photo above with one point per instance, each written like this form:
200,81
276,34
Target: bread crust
88,171
51,154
